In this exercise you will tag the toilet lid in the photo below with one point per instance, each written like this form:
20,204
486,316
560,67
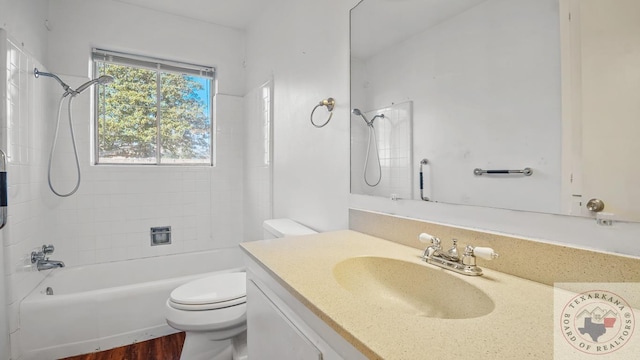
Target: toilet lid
220,288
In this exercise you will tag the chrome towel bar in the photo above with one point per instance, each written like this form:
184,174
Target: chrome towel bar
525,171
3,189
424,198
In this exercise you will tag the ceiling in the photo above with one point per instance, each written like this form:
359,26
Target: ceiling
378,24
376,16
233,13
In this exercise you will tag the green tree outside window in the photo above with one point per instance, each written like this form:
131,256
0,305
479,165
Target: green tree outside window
147,116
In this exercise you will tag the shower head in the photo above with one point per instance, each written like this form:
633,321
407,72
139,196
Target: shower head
104,79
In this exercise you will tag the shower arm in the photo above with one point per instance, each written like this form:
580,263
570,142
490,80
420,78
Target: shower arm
37,73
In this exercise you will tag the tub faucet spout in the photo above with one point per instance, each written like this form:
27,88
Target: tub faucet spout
42,261
46,264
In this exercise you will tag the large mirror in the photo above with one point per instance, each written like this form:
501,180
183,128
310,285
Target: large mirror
528,105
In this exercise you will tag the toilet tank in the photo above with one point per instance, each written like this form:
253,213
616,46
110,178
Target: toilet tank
277,228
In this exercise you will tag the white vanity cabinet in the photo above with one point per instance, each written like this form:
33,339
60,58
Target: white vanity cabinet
279,327
272,334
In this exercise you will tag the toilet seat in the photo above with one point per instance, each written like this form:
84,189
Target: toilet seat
210,293
223,322
210,306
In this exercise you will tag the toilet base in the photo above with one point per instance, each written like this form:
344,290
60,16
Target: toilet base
240,347
200,346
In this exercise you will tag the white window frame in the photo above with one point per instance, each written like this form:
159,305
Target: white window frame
158,65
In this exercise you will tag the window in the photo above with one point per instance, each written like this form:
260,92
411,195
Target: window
154,112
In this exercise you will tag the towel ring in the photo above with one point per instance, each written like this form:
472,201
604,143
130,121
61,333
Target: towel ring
329,103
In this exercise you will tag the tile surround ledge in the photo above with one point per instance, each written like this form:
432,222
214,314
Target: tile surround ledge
529,259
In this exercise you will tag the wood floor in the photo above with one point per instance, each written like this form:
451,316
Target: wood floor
164,348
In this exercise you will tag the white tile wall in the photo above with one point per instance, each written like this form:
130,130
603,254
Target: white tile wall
25,229
110,216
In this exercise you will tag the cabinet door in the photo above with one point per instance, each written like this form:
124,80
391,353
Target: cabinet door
270,334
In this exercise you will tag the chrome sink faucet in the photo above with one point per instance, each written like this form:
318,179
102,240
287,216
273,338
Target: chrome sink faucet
451,259
41,259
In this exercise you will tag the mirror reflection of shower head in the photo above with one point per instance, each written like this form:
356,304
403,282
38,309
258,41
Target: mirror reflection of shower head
357,112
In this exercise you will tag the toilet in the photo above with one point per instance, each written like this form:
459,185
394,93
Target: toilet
212,311
278,228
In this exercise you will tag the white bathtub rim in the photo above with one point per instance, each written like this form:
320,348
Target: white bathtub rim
53,272
38,294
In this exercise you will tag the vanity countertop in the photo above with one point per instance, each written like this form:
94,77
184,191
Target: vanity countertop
521,325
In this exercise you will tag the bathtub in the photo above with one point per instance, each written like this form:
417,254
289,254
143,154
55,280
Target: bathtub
102,306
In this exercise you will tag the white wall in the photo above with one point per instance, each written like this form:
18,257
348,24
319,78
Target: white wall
25,21
5,342
79,25
5,349
305,47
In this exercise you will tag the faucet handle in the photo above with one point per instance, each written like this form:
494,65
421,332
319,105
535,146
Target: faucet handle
36,256
429,239
486,253
47,249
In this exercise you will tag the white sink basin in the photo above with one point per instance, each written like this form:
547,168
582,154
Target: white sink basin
406,287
